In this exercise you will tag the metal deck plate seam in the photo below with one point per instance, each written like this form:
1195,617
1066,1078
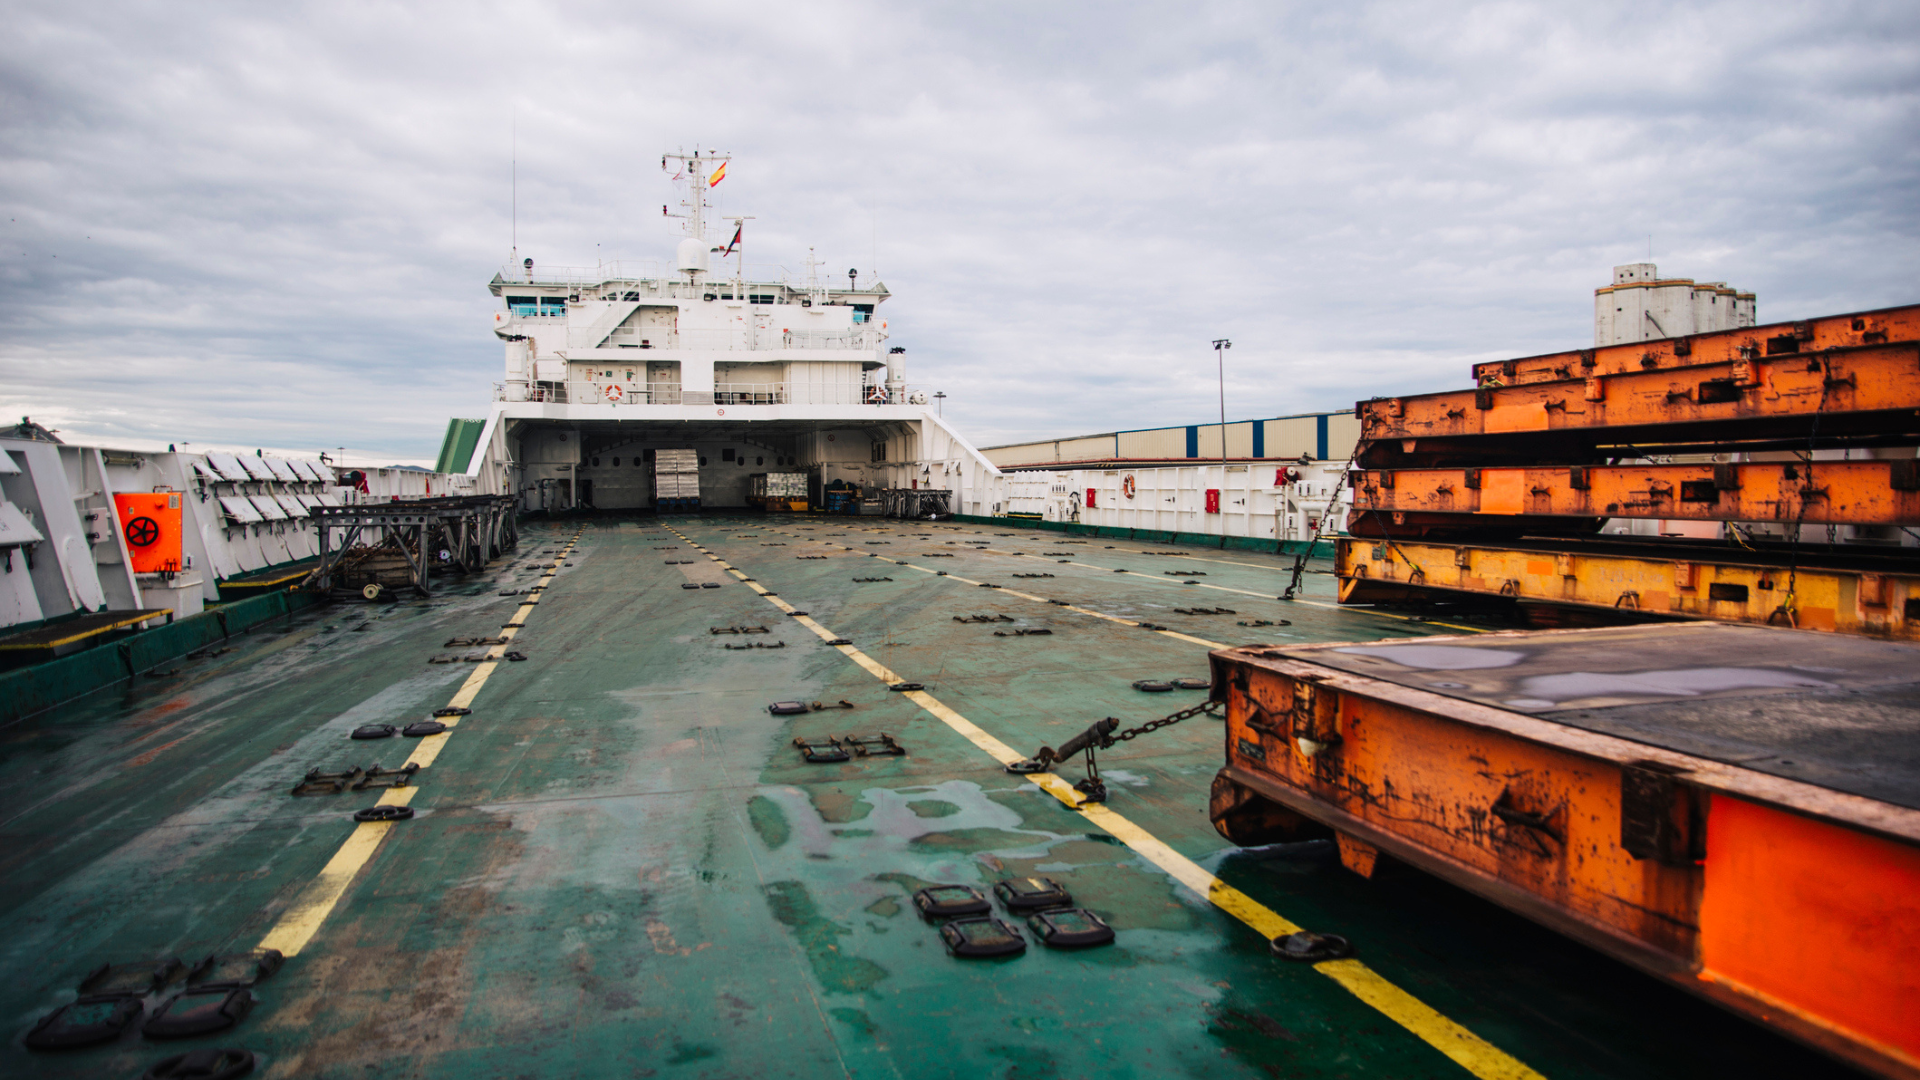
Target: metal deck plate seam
1457,1043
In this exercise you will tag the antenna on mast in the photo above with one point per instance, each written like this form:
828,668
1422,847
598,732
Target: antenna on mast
701,173
514,186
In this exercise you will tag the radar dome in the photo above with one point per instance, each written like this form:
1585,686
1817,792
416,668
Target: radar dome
693,254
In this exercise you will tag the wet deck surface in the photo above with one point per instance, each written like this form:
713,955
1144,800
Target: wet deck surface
621,867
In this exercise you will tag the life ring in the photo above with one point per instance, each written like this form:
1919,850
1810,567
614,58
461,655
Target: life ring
616,394
1126,486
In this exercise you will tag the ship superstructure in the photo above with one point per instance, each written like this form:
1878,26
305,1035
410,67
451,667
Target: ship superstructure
605,368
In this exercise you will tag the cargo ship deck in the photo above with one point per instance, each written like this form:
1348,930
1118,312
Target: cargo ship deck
620,865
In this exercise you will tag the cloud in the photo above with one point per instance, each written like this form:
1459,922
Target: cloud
276,227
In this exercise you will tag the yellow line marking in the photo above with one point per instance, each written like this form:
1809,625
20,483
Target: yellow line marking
1463,1047
304,917
302,920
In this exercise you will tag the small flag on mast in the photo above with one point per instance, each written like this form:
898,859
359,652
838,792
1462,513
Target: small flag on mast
733,243
719,174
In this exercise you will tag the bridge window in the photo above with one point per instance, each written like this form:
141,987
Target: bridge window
759,298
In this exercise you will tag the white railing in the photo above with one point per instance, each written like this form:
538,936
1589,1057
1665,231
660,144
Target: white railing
627,337
587,393
766,339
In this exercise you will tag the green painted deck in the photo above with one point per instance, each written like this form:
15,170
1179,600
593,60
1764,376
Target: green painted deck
622,868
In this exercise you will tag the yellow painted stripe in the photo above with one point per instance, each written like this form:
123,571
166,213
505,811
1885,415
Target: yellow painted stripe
304,917
1463,1047
302,920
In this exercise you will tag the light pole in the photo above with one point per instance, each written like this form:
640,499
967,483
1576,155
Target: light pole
1220,347
939,402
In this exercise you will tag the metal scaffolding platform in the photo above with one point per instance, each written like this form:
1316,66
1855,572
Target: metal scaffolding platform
400,543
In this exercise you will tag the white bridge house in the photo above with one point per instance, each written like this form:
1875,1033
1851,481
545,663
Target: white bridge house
604,369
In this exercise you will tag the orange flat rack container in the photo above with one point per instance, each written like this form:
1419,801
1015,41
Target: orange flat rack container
1776,339
1427,502
1734,809
1764,403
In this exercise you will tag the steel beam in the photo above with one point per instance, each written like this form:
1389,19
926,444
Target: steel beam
1883,327
1429,501
1818,399
1812,591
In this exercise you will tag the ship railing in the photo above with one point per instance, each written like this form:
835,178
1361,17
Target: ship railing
625,269
756,339
625,337
580,392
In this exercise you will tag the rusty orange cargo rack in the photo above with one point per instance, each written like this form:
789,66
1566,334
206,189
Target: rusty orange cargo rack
1621,579
1429,502
1866,396
1732,809
1880,327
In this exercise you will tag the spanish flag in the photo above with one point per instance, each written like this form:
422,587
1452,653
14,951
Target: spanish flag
719,174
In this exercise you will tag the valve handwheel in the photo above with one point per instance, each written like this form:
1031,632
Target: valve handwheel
142,531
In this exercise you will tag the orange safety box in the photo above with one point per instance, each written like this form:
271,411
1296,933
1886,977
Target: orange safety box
150,524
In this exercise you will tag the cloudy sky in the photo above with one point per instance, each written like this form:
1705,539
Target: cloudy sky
274,224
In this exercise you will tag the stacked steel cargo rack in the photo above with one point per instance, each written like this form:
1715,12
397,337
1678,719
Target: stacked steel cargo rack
1732,809
1762,475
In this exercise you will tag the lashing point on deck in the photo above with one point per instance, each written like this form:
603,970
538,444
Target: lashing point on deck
950,902
422,728
1070,928
91,1020
373,731
225,1063
130,980
1309,947
881,745
984,937
821,751
236,969
1032,894
199,1011
383,813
